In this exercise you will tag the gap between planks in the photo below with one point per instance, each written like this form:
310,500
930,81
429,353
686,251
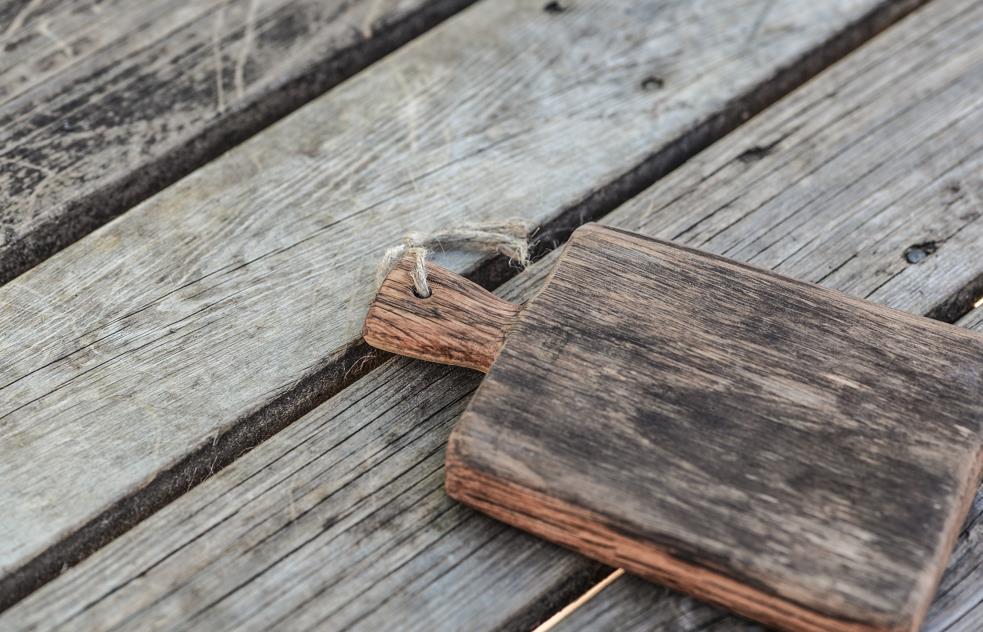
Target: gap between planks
578,204
867,262
135,96
568,609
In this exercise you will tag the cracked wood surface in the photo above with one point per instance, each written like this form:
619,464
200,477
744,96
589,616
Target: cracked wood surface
207,318
293,538
103,103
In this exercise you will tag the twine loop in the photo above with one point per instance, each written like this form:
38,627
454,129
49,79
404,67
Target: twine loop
509,238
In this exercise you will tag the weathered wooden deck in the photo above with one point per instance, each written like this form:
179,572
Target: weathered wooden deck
192,433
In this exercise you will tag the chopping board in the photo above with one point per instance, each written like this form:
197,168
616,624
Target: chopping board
788,452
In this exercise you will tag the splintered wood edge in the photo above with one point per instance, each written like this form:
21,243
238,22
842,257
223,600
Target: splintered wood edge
460,323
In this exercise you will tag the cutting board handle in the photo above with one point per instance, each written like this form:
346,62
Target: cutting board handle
460,323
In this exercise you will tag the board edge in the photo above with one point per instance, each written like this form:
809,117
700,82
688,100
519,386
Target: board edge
504,501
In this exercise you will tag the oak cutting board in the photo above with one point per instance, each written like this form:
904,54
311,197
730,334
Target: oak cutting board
796,455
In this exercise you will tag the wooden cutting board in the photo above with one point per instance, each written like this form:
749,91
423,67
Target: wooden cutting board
786,451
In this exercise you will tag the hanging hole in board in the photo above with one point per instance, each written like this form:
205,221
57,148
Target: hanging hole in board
417,293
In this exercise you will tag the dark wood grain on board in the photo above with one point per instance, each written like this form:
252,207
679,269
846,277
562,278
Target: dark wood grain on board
103,103
731,433
460,323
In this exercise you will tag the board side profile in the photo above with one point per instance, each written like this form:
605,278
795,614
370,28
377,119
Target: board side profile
796,455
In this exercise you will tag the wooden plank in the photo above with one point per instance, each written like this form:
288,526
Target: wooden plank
161,347
234,546
624,418
104,103
635,605
335,516
297,504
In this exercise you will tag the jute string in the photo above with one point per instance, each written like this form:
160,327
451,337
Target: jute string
509,238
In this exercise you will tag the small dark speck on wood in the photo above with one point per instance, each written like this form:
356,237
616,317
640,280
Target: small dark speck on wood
652,82
757,152
554,7
919,252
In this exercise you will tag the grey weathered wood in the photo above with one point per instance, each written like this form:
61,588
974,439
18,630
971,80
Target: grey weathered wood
163,345
478,575
635,605
778,448
104,103
336,516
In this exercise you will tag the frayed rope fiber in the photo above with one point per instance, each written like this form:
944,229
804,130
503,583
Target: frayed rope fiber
509,238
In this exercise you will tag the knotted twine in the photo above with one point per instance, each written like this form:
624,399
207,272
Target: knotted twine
509,238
